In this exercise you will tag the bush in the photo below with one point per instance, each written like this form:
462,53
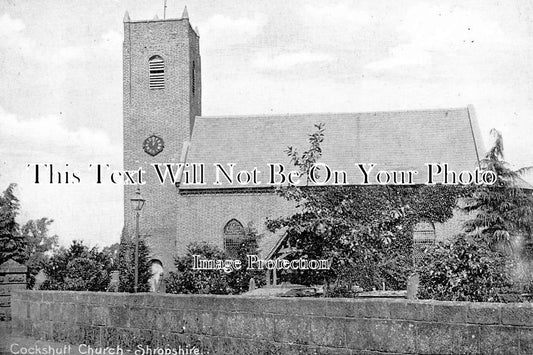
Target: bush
187,280
463,269
77,268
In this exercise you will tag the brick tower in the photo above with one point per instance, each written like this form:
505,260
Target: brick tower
162,97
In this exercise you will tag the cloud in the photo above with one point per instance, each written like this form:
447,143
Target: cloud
12,38
285,61
220,29
10,26
340,13
402,56
16,43
431,34
48,134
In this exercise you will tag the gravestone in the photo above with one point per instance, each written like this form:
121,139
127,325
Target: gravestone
114,282
12,277
40,278
412,286
251,284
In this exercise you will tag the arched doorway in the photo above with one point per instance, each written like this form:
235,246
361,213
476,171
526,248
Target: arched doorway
156,281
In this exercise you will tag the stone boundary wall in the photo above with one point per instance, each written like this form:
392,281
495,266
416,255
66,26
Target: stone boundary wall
245,325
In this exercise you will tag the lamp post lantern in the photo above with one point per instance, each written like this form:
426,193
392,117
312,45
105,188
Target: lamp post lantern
137,203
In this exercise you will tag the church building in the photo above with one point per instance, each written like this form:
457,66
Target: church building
163,124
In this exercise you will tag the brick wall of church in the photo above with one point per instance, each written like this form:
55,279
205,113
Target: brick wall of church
202,217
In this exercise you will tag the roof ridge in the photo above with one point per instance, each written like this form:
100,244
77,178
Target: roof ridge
265,115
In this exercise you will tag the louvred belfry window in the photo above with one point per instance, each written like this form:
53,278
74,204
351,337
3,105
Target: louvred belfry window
157,72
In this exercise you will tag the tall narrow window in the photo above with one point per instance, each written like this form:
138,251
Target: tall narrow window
157,72
193,77
233,236
423,236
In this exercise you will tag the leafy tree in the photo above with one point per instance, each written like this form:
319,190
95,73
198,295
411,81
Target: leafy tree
187,280
481,265
77,268
365,231
503,211
12,243
126,265
39,246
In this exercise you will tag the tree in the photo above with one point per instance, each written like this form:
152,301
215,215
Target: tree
483,263
503,211
365,231
12,243
126,265
77,268
39,246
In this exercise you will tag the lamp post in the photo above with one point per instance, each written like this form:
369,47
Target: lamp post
137,203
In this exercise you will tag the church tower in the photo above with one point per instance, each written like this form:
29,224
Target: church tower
162,97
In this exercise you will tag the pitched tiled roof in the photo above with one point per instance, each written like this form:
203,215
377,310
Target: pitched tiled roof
400,140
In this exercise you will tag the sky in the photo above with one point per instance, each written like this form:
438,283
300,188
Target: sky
61,79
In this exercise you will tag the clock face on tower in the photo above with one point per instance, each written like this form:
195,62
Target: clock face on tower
153,145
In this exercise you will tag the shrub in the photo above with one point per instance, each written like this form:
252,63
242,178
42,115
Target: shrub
463,269
77,268
187,280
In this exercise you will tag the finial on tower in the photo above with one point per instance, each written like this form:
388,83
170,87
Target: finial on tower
126,17
185,13
156,17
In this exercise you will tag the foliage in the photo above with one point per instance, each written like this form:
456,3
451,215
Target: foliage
187,280
503,215
126,266
463,270
504,211
365,231
39,246
12,243
29,244
486,261
77,268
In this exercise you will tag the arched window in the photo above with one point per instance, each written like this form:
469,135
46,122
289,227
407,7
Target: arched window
423,236
156,66
233,235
